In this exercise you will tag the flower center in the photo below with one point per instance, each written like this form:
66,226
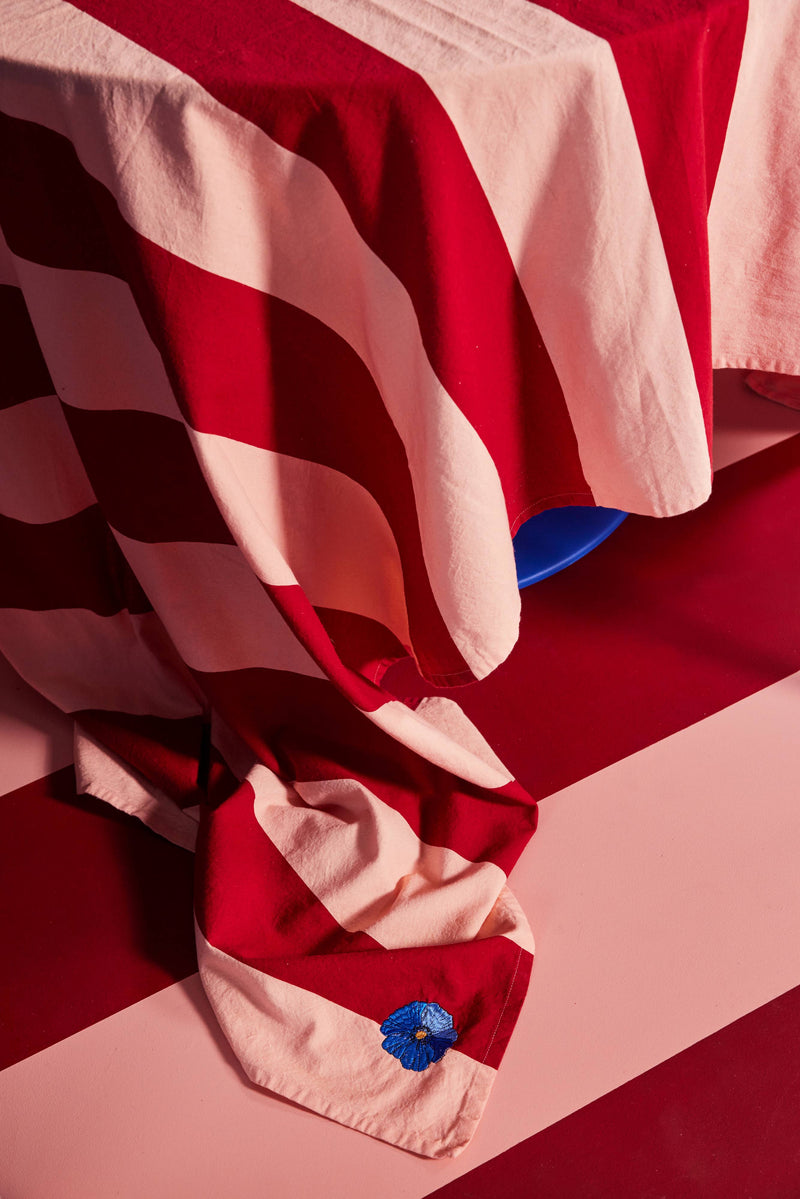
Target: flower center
421,1034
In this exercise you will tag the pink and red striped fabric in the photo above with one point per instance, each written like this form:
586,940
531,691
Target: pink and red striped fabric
308,310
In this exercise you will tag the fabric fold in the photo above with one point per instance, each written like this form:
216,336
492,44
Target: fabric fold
322,916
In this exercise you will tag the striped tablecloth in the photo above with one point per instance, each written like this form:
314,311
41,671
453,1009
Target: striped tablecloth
307,306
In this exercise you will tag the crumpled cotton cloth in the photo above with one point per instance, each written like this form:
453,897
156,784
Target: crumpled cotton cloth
307,307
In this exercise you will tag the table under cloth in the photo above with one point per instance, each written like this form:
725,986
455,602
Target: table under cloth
305,308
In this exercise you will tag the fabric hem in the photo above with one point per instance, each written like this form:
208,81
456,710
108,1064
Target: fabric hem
754,362
102,773
461,1132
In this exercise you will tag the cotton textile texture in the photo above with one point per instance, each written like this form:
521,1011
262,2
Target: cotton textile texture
308,306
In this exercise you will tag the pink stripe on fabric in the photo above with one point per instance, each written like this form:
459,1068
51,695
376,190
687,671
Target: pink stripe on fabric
405,892
216,611
450,719
678,66
98,350
303,520
41,475
753,229
436,742
77,659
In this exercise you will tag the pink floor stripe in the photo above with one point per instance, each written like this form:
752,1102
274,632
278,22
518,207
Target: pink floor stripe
721,1119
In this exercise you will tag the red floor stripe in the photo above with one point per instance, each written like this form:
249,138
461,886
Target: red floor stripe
663,624
719,1121
95,914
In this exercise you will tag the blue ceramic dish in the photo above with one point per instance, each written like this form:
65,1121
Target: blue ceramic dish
554,539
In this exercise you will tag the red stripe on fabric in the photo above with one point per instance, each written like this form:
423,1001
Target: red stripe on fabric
362,644
665,623
678,64
299,388
716,1121
146,477
398,164
253,905
472,980
70,563
165,752
25,375
51,211
302,619
303,729
95,914
250,902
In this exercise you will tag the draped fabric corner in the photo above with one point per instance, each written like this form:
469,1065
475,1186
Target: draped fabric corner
288,361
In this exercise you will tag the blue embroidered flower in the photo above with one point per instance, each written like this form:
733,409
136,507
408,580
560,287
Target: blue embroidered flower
418,1034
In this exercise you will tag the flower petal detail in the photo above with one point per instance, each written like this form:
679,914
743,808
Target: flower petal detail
439,1048
405,1018
395,1043
436,1018
418,1034
417,1055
